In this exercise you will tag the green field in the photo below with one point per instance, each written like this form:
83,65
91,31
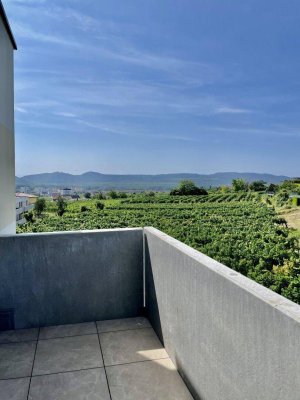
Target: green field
238,230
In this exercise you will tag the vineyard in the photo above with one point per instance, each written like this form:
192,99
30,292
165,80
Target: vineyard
235,229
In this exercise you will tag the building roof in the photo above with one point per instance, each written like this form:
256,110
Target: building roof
25,195
7,26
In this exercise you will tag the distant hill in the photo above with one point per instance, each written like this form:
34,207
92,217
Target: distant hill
96,180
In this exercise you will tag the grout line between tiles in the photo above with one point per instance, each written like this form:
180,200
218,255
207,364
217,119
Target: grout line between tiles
125,330
19,341
33,363
137,362
82,369
69,336
66,372
62,337
15,377
103,363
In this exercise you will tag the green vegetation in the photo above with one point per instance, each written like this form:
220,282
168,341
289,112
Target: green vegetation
258,186
239,185
238,228
29,217
99,196
39,206
296,201
99,205
61,206
188,188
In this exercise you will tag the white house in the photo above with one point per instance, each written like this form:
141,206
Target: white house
7,142
23,205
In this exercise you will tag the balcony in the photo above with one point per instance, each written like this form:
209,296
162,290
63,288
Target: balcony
135,314
121,358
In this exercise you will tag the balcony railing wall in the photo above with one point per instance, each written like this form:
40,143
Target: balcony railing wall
229,337
60,278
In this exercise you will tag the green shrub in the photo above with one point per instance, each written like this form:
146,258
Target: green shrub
61,205
99,205
29,217
188,188
39,206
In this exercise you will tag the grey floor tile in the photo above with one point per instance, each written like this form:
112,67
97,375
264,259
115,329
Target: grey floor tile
80,385
19,335
122,324
131,346
150,380
16,359
14,389
67,354
52,332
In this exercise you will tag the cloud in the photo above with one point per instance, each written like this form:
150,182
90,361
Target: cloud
26,32
123,98
272,130
107,40
27,2
136,132
232,110
65,114
21,110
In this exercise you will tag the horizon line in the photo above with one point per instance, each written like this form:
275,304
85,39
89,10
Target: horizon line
156,174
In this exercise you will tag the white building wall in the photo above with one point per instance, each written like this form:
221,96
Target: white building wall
22,206
7,143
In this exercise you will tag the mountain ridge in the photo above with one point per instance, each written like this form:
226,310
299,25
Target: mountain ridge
97,180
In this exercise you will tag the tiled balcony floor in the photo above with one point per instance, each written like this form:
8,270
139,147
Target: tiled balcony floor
117,360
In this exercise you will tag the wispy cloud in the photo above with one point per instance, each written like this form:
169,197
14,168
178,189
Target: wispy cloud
108,40
65,114
269,131
85,68
25,32
137,132
127,98
21,110
232,110
27,2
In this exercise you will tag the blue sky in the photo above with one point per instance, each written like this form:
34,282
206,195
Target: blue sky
157,86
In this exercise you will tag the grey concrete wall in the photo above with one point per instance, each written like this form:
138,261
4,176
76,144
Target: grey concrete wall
7,144
230,338
61,278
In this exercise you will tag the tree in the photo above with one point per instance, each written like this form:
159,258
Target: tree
272,187
187,188
99,196
122,195
39,206
29,217
87,195
258,186
113,194
288,185
61,206
239,185
224,189
99,205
